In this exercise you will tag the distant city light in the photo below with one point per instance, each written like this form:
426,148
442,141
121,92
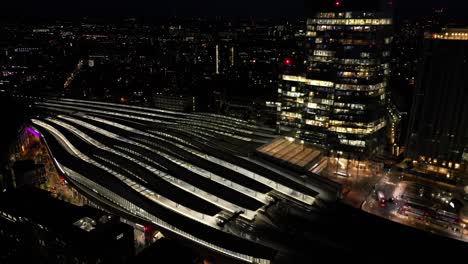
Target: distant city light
287,61
337,3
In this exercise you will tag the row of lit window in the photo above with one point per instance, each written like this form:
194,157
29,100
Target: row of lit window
316,123
348,74
355,143
374,90
291,115
326,53
350,106
347,111
321,101
320,59
358,124
443,163
364,62
287,100
311,29
349,130
307,81
451,36
322,28
359,131
355,87
291,105
341,93
317,106
321,92
293,94
357,68
351,21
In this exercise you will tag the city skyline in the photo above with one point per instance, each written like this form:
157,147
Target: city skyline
263,132
187,8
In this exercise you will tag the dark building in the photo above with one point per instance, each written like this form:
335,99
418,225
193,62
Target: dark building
406,52
39,228
339,102
174,102
26,172
438,133
166,251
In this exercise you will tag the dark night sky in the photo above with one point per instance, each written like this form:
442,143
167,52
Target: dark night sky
260,8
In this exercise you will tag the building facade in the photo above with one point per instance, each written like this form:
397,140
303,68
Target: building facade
438,136
339,101
174,102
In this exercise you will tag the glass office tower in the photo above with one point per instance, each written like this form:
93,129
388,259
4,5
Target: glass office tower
438,136
339,100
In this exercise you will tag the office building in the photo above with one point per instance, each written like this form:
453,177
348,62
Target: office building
339,100
438,136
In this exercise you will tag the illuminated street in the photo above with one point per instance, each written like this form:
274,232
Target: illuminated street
362,182
33,149
357,185
411,202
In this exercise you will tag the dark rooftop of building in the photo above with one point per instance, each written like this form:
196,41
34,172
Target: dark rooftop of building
166,251
38,206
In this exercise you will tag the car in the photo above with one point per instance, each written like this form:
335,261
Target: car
381,199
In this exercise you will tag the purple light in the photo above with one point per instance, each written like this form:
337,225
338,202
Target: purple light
32,131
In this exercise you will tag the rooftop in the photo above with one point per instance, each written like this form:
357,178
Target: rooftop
291,151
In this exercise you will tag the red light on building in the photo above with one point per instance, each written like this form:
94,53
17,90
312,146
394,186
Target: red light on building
146,228
62,179
287,61
337,3
390,3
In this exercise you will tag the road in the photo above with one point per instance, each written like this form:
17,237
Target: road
400,188
362,180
